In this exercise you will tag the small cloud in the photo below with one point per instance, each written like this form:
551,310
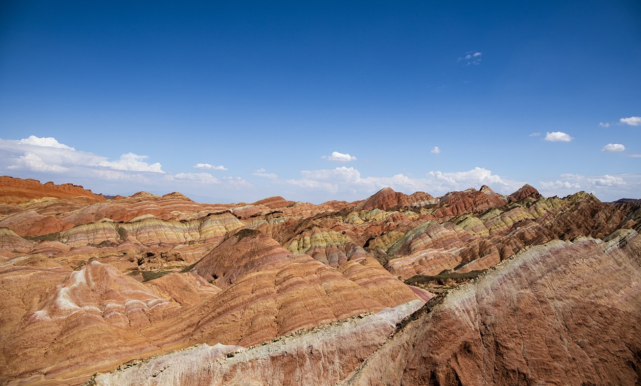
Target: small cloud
635,155
559,185
631,121
471,57
536,134
474,177
209,167
557,136
44,142
604,124
133,163
339,157
237,182
436,150
613,147
263,173
200,177
607,180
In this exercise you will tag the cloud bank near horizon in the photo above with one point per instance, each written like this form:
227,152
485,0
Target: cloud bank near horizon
47,158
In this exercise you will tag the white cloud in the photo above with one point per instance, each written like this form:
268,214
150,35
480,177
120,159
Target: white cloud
33,162
436,150
339,157
133,163
48,155
464,180
606,187
237,182
200,177
209,167
632,121
604,124
43,155
471,57
115,175
44,142
263,173
557,136
558,185
613,147
49,160
348,181
536,134
607,180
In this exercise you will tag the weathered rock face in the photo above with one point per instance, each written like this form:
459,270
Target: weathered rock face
247,251
469,201
387,198
274,202
263,292
322,356
328,246
186,289
563,313
474,241
269,291
89,319
524,192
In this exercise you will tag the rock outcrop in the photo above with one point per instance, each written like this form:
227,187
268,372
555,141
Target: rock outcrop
388,199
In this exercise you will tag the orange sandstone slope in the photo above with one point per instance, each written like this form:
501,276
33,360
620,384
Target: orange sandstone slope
264,291
16,190
388,199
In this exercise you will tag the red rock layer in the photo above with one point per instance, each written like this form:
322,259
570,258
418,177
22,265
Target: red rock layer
251,250
274,202
322,356
388,199
478,241
267,292
469,201
16,190
524,192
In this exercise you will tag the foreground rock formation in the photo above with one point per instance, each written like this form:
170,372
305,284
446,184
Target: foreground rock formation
563,313
251,287
526,322
322,356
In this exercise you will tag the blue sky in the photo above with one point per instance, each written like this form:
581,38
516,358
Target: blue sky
315,101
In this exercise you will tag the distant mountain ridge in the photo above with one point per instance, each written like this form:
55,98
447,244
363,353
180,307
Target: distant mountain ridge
17,190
